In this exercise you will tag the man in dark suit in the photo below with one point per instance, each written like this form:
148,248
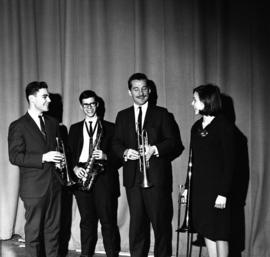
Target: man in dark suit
100,203
32,143
148,204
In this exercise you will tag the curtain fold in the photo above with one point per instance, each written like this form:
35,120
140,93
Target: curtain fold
180,44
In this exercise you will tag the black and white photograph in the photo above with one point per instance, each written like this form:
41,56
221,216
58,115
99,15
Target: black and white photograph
134,128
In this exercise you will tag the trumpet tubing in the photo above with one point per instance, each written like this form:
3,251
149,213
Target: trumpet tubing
187,224
64,170
142,139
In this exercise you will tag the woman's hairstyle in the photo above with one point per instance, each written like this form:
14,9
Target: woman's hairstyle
210,95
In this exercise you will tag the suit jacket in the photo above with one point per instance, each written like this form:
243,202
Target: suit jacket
26,146
109,179
161,132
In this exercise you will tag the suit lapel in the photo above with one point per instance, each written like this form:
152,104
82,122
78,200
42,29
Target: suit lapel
48,128
34,127
104,135
80,137
148,116
131,126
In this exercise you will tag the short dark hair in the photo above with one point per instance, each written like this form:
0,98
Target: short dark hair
33,87
137,76
87,94
209,94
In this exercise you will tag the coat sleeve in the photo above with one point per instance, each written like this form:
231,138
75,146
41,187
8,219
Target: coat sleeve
112,159
72,146
18,153
169,142
118,146
227,137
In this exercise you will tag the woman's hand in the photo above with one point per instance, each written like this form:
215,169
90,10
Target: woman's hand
220,202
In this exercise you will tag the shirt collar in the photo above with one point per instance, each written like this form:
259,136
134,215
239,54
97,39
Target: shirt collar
34,114
92,119
144,107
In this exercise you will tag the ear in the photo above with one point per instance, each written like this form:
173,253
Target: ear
31,98
129,92
81,107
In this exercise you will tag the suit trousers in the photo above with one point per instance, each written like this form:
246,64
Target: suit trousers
98,205
150,206
43,223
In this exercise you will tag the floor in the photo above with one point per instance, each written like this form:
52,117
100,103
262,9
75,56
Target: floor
15,248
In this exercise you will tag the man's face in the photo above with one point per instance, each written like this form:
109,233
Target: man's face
89,106
139,92
41,100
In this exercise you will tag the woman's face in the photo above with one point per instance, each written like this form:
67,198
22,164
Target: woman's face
197,104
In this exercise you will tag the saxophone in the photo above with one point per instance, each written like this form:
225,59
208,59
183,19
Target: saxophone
92,167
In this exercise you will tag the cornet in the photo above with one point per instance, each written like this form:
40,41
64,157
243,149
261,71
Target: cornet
63,171
142,139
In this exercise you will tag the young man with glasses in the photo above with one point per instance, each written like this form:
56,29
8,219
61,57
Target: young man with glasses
90,140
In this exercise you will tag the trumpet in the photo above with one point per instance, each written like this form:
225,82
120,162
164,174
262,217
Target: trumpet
142,139
63,171
187,225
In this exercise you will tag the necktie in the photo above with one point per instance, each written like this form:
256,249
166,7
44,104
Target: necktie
90,137
42,126
139,121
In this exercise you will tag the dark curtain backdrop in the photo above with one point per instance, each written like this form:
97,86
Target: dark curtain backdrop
75,45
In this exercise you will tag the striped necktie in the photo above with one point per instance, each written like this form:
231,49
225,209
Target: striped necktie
42,126
90,132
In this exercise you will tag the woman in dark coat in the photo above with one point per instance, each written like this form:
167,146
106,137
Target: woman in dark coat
213,158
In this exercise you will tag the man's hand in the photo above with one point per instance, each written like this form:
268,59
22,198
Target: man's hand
99,155
149,151
79,172
131,154
52,156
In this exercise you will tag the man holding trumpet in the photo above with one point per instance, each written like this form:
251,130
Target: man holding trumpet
146,138
31,146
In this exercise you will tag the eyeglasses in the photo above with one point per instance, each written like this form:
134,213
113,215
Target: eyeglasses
90,105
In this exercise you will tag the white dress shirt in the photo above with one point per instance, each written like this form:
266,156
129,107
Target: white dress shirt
136,112
35,116
86,138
